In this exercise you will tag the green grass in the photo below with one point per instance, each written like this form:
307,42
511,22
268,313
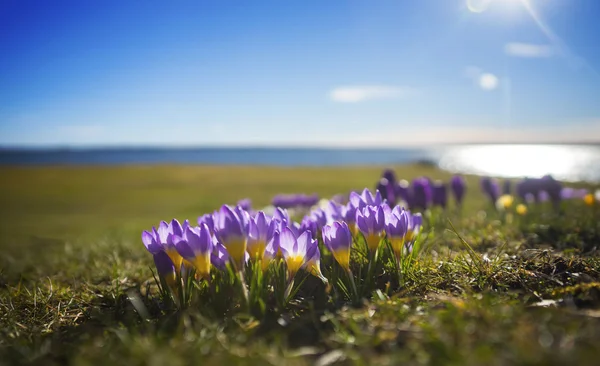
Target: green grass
73,268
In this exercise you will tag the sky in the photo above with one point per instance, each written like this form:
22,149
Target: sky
298,73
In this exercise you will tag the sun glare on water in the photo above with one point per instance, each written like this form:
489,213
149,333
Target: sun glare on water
562,162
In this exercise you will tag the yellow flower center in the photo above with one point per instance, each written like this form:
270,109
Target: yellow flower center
202,265
372,241
294,263
237,249
256,250
175,258
342,256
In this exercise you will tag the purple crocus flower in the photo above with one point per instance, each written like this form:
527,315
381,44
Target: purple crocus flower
403,193
209,220
219,256
365,198
309,224
396,227
151,242
491,188
166,233
543,196
245,204
332,212
371,222
349,216
321,216
390,176
552,187
421,192
439,194
282,215
458,187
294,249
195,246
338,239
387,190
567,193
272,250
165,269
260,229
231,230
339,198
415,222
313,261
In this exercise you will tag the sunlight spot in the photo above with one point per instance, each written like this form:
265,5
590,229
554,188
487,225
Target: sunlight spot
488,81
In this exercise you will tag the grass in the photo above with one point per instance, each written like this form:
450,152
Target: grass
73,272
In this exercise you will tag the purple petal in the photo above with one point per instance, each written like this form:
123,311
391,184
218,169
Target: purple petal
287,242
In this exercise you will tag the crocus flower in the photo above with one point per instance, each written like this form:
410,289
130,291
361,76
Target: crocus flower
166,233
490,188
231,231
349,216
421,192
402,192
365,198
396,227
245,204
309,224
209,220
390,176
294,249
338,239
313,261
458,186
567,193
257,237
151,242
272,250
371,222
321,216
196,246
439,195
219,256
281,214
165,269
387,190
415,221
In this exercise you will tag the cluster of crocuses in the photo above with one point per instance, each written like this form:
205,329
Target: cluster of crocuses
236,237
422,192
531,190
299,200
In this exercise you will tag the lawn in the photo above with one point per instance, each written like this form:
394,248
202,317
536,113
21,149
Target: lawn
73,268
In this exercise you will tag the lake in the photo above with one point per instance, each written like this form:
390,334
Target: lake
565,162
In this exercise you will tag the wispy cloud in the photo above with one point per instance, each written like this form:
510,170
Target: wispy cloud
528,50
355,94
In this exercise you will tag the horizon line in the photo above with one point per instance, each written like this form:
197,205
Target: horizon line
383,146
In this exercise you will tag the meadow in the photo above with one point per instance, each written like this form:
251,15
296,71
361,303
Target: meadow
497,290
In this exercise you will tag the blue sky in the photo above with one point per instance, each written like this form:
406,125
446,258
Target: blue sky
360,73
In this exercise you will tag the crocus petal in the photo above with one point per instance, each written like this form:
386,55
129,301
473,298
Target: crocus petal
150,242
